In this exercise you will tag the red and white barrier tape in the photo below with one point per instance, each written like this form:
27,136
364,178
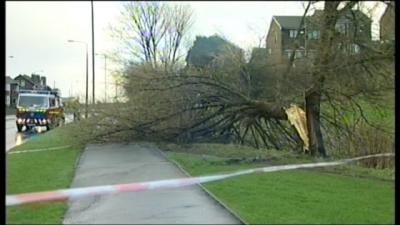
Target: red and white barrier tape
76,193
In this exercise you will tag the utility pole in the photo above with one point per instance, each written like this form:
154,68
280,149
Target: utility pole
93,59
105,78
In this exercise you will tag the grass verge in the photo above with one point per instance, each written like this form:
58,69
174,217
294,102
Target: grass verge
42,171
344,195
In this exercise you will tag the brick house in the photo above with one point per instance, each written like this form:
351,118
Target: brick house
280,38
25,82
12,89
35,82
284,30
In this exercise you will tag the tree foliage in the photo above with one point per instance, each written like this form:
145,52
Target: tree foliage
206,49
152,32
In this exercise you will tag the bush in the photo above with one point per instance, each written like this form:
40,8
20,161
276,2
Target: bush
364,140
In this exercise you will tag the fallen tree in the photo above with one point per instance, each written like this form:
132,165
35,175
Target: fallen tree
210,102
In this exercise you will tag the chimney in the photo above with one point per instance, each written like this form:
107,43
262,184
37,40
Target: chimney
35,78
43,81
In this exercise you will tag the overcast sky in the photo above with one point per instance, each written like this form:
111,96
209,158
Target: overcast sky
37,34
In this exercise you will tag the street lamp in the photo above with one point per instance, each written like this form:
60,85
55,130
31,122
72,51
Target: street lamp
87,76
105,76
11,57
93,59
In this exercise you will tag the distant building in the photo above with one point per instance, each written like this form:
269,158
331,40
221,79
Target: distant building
25,82
34,82
284,30
22,81
387,25
12,89
281,36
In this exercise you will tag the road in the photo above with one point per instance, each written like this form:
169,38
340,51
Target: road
126,163
13,138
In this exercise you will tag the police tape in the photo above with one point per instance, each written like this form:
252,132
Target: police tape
77,193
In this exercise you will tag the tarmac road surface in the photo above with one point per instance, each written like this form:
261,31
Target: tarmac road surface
128,163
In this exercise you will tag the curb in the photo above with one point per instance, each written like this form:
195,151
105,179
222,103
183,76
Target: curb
215,198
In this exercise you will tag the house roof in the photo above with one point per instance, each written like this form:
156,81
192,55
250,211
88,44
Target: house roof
9,80
26,77
293,22
288,22
358,14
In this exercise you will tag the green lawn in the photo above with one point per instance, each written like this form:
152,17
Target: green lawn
42,171
348,194
380,114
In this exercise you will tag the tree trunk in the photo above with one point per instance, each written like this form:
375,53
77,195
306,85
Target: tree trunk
313,95
313,100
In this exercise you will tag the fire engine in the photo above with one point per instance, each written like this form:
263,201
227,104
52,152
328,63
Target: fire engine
39,108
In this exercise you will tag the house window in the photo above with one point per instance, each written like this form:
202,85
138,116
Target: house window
22,83
355,49
276,38
314,35
292,33
341,28
269,51
289,53
298,55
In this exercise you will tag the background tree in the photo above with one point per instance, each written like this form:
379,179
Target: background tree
152,32
261,82
206,49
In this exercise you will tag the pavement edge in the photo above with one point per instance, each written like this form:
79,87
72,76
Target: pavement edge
76,165
215,198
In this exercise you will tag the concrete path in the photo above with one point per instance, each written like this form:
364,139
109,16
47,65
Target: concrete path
119,163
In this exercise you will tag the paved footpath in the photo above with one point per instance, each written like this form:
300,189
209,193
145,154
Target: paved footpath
121,163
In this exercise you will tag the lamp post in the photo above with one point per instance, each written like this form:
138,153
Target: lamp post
11,57
87,76
93,59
